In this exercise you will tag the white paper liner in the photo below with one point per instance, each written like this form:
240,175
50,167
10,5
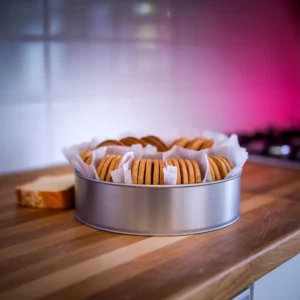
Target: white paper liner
223,146
219,138
72,155
123,173
237,155
181,153
170,174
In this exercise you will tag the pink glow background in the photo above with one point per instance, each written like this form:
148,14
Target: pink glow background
149,66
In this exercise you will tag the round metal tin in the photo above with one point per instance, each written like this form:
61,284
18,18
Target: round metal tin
157,210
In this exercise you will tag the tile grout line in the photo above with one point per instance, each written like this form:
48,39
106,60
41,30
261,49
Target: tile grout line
47,71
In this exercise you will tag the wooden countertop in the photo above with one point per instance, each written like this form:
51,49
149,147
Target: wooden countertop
49,254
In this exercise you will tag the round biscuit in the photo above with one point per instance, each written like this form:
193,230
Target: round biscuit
110,143
148,174
141,173
228,168
220,165
111,167
100,166
216,170
176,164
161,172
105,167
156,142
183,172
155,172
182,142
196,143
83,155
117,164
190,170
212,172
197,171
229,162
169,162
134,171
89,159
207,144
130,140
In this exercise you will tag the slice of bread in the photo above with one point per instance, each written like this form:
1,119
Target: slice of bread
49,192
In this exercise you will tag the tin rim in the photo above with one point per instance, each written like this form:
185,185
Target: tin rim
157,186
190,232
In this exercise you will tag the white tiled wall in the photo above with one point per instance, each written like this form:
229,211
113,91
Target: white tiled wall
25,136
70,70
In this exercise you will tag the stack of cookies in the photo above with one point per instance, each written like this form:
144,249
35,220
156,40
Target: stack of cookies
144,141
86,156
150,171
197,144
147,171
188,171
108,164
219,167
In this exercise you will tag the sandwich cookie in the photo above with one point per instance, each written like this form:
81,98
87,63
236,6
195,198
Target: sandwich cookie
99,168
220,165
155,172
135,170
83,155
207,144
229,162
161,172
197,172
148,173
176,164
215,169
190,171
196,143
113,166
141,172
110,143
87,156
156,142
183,172
227,165
105,167
182,142
130,140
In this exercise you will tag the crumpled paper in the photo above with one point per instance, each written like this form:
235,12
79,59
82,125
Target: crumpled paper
223,146
72,155
170,173
123,173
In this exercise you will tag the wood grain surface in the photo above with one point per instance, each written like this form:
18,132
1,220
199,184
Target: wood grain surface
48,254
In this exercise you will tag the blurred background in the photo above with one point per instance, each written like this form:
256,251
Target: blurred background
70,70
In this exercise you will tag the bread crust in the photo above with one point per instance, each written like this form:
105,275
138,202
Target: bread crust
60,199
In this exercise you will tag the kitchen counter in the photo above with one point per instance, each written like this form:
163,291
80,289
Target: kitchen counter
47,253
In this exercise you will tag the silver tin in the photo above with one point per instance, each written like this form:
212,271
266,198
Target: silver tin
157,210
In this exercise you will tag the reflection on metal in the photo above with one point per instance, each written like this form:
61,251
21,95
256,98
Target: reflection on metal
146,32
158,209
146,46
144,8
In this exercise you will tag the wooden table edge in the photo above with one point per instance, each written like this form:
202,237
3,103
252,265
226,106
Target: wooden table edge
222,285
